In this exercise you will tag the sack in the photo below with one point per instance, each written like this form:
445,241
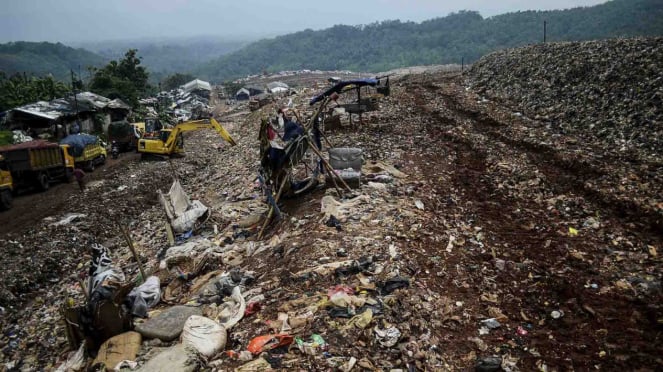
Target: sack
205,335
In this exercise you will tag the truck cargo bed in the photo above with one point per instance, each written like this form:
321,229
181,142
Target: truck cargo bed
32,156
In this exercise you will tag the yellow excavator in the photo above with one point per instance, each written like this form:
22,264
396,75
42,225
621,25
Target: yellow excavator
169,141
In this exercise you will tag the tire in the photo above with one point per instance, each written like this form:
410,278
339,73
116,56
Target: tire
90,166
5,200
43,182
103,160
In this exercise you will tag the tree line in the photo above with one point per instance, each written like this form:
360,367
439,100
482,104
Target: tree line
460,36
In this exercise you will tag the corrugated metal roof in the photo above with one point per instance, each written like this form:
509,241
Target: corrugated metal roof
42,109
118,104
87,101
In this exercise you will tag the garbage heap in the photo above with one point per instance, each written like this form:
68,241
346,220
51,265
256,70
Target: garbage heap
459,248
315,294
607,92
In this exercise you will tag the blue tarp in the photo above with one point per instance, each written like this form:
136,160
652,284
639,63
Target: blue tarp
78,142
339,87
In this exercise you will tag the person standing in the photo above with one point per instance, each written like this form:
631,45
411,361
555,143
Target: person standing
80,178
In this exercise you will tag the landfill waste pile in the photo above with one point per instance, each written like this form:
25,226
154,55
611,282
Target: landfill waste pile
181,104
474,240
607,93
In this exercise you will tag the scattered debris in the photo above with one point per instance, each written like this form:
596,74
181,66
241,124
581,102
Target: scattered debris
451,252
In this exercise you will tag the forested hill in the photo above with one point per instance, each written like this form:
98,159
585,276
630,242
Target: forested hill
46,58
168,56
392,44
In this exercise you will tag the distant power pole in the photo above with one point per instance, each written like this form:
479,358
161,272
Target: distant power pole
73,87
545,24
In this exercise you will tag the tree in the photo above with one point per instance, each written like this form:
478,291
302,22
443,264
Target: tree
125,79
176,80
19,90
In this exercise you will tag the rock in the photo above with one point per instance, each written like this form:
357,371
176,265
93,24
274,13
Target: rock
178,358
124,346
168,324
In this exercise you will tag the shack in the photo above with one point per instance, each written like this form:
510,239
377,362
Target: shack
198,87
277,87
87,112
243,95
255,90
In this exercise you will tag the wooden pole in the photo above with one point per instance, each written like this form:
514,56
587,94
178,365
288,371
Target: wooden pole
325,163
359,105
271,208
130,242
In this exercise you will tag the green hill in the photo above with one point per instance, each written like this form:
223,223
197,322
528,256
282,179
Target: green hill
168,56
45,58
392,44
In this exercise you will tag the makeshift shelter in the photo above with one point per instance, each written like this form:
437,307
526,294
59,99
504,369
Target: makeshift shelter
243,95
255,90
277,87
67,115
198,87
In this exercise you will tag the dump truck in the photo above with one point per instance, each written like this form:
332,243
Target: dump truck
88,152
125,134
35,164
169,141
93,155
6,185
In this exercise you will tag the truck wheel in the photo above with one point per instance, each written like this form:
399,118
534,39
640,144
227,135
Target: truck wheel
5,200
103,160
90,166
42,179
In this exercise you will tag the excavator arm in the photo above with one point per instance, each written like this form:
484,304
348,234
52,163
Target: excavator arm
168,145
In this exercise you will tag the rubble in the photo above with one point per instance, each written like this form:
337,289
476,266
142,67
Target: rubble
469,229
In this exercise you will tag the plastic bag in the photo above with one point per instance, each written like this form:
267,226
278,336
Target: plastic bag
268,342
145,296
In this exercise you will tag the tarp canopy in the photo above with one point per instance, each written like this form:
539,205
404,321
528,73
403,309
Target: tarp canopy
339,87
78,142
196,84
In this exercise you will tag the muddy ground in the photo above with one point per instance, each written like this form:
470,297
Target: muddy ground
511,229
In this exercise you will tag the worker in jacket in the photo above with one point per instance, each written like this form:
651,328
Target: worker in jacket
80,178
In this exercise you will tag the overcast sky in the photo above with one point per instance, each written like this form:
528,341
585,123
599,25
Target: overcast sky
94,20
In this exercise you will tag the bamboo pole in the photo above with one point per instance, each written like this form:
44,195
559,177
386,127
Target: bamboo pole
130,242
271,208
327,165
